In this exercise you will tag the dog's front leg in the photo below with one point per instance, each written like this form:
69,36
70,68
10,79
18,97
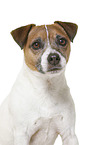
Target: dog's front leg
20,138
69,138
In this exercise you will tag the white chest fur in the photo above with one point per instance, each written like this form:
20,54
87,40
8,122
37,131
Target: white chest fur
40,108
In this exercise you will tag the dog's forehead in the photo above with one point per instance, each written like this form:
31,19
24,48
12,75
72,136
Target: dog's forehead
38,31
56,29
45,31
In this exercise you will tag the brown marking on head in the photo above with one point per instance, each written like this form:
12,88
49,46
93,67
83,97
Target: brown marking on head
70,28
20,34
55,31
33,56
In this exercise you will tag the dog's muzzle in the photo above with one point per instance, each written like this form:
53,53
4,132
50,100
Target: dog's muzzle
54,62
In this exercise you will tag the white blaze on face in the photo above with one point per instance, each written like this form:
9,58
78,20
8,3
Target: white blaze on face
47,35
44,61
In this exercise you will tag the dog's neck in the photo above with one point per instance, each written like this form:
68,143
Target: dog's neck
45,80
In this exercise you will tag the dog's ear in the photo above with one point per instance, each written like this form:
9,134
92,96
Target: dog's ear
20,34
70,28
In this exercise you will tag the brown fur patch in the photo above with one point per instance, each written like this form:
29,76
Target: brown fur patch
32,56
54,30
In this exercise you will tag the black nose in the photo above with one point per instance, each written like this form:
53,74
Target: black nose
53,58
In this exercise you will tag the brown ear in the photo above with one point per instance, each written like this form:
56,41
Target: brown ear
70,28
20,34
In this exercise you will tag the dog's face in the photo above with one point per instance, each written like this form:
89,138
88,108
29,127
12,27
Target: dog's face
47,47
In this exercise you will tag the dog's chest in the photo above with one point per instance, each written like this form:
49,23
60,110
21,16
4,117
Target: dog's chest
49,124
44,109
46,131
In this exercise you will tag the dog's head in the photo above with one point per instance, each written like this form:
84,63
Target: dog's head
47,47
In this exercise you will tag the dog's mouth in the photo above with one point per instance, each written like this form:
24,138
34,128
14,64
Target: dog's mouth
54,69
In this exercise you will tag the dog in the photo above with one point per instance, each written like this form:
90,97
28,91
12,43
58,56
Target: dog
39,106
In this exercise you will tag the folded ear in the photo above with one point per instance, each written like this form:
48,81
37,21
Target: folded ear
20,34
70,28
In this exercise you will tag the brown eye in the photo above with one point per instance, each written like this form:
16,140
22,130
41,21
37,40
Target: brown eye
62,41
36,45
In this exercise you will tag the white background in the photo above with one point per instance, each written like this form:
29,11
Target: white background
81,68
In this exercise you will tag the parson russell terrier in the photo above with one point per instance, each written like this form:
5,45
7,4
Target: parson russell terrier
39,106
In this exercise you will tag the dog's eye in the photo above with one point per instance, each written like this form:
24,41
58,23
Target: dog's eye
62,41
36,45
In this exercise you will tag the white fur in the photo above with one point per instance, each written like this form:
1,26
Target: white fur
47,35
41,104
